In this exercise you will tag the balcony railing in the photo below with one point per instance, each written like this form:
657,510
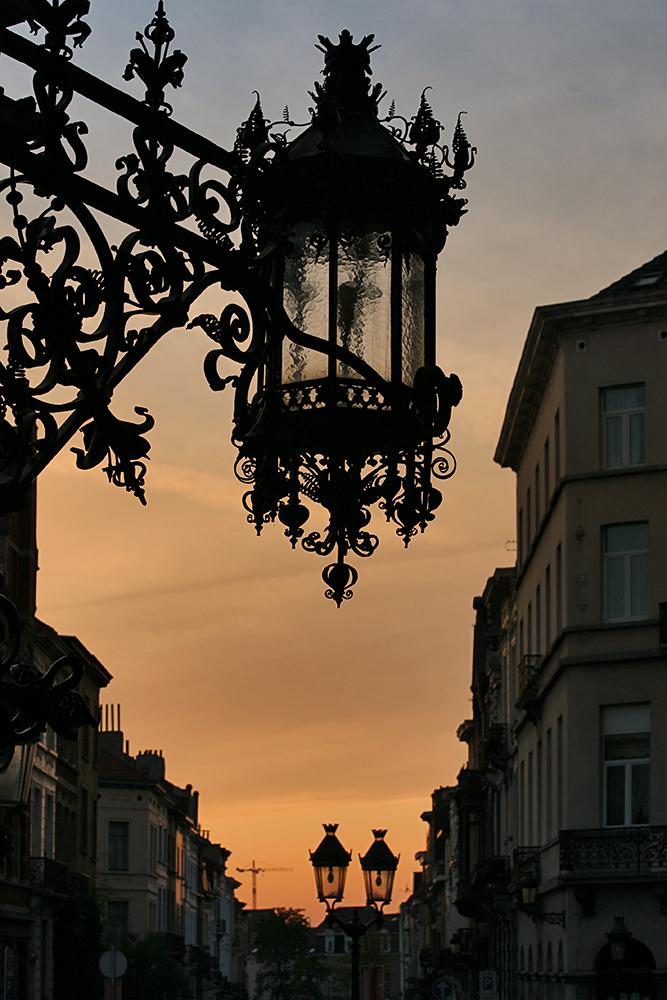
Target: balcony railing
491,874
630,851
49,876
528,675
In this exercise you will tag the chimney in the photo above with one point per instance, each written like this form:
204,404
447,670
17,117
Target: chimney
151,763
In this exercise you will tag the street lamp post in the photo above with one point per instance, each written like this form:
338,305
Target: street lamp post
330,862
325,234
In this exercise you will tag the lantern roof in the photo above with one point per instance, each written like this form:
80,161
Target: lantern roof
379,857
330,853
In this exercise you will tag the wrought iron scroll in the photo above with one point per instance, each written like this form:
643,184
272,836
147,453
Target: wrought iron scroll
79,312
631,850
29,699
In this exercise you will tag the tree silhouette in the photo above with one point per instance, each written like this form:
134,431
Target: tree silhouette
289,969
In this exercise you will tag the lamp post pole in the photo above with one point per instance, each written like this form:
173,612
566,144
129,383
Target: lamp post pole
330,862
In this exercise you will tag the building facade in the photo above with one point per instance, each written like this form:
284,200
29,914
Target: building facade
560,863
54,838
158,869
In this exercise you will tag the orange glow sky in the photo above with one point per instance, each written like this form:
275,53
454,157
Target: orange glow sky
283,711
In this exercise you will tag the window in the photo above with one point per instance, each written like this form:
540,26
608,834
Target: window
529,628
119,835
36,824
537,496
83,821
152,849
624,426
547,608
118,920
547,489
520,539
559,772
559,590
538,619
626,571
549,786
528,526
557,447
626,735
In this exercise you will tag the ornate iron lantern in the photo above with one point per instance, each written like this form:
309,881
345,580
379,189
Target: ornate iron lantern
379,867
619,938
330,862
330,240
349,218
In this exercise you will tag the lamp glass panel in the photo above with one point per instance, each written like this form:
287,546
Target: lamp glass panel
379,886
306,301
364,301
15,781
330,882
412,295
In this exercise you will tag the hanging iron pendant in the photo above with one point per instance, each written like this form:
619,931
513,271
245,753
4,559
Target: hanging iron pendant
348,408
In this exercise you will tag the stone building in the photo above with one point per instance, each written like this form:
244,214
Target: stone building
54,839
158,869
560,861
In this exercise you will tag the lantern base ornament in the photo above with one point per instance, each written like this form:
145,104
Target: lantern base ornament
329,239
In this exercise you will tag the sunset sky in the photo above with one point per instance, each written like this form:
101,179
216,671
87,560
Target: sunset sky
283,711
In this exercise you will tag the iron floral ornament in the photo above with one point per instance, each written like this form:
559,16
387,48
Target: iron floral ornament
290,213
31,700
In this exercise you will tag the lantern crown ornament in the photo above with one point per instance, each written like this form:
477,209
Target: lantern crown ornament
321,237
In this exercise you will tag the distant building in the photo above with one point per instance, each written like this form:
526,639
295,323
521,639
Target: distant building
159,870
379,958
55,839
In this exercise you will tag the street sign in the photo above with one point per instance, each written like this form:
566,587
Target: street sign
444,989
113,964
487,985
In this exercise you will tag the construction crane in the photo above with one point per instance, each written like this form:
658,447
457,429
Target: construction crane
254,869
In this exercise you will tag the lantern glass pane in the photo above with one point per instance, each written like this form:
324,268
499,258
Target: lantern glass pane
379,886
412,294
330,882
364,301
306,301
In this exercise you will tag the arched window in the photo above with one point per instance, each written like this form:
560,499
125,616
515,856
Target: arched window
539,957
560,956
550,960
530,958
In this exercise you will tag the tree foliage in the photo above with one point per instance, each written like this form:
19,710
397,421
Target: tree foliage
78,933
152,972
289,969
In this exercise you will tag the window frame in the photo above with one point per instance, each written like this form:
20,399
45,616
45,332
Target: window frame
126,838
626,765
625,416
627,555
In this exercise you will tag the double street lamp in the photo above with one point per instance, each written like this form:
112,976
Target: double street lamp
330,862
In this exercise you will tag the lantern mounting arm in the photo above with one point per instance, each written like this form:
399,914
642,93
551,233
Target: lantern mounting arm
72,77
